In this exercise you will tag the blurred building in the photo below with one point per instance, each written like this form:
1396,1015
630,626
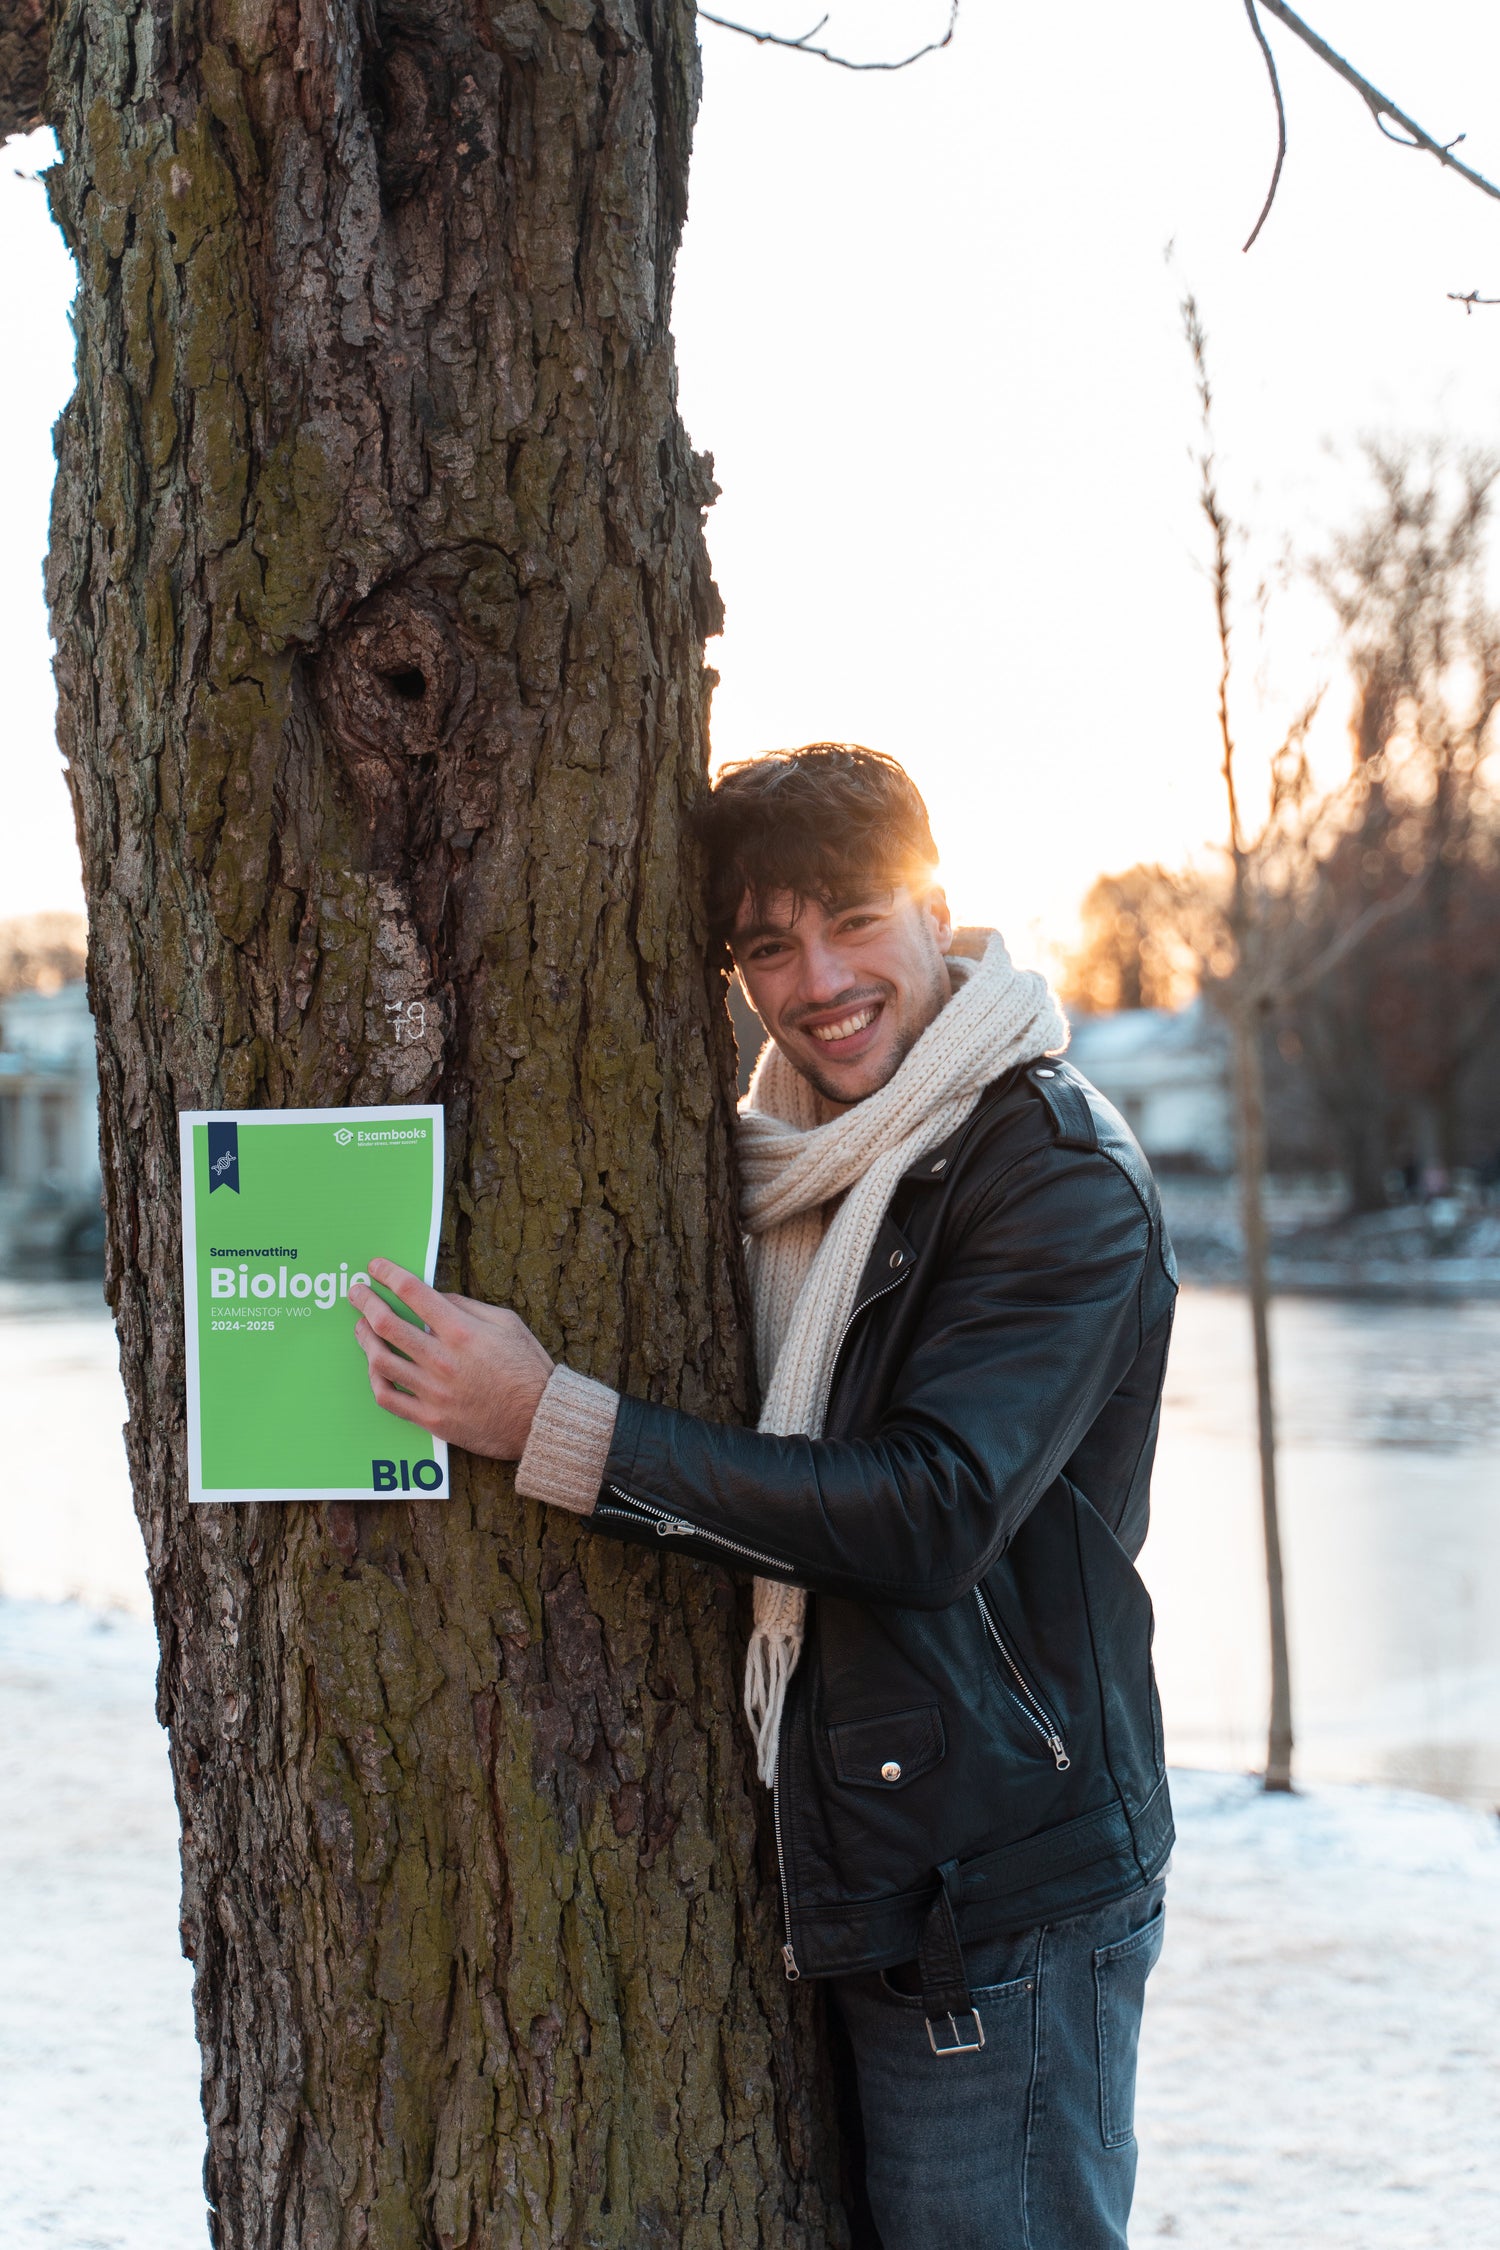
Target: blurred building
1167,1073
49,1127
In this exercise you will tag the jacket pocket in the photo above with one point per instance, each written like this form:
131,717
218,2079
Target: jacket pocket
1120,1973
888,1753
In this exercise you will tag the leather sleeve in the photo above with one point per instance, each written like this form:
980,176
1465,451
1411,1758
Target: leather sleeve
1032,1319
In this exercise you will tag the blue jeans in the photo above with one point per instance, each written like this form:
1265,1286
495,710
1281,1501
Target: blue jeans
1028,2144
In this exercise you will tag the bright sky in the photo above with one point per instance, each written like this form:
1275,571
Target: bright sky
927,329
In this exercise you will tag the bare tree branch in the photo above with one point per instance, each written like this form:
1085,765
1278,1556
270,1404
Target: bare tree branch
1378,105
1469,298
1218,521
1265,48
801,46
25,37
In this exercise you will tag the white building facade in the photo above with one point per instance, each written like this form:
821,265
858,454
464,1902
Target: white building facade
49,1126
1167,1073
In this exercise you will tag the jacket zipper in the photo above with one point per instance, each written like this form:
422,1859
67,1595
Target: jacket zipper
670,1527
788,1957
838,1351
1033,1711
673,1527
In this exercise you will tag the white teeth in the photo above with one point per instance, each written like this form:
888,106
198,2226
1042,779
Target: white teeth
847,1028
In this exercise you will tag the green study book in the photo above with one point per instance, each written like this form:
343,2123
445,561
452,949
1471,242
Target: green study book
281,1210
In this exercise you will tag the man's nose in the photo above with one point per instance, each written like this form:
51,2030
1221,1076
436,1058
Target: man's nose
825,974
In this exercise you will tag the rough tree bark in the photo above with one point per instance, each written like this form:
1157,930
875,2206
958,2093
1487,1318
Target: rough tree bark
380,595
25,35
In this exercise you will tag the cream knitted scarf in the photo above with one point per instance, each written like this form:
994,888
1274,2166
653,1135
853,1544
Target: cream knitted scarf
794,1159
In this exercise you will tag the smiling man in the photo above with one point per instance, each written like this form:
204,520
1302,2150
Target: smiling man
962,1295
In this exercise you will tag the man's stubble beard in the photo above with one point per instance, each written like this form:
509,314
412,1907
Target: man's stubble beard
940,993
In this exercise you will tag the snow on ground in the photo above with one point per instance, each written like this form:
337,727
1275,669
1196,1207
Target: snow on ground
1320,2066
1322,2051
101,2136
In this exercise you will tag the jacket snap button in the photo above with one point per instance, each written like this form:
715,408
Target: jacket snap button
941,1164
890,1771
895,1257
1046,1074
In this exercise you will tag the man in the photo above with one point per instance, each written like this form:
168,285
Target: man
963,1294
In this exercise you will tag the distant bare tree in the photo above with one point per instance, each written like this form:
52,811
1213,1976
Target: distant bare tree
1276,945
1133,951
1394,1038
1243,993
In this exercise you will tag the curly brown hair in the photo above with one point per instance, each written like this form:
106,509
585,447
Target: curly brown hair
832,821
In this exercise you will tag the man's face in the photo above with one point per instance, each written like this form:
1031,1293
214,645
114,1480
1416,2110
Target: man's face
847,992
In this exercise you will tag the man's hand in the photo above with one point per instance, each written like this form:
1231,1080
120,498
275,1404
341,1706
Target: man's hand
473,1374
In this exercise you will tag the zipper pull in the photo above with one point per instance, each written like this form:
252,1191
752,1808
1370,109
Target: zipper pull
1059,1751
669,1529
789,1963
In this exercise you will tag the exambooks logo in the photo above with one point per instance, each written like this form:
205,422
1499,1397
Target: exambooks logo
381,1136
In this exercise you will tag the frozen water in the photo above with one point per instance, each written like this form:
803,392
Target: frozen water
1390,1504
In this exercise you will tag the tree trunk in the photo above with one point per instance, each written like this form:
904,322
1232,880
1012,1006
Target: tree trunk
25,36
380,594
1251,1108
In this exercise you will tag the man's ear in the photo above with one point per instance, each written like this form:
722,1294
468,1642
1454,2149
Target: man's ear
936,903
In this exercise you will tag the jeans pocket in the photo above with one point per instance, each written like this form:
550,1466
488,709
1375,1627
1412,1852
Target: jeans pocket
1120,1973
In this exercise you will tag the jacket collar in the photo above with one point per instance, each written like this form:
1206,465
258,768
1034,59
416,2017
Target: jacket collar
937,1164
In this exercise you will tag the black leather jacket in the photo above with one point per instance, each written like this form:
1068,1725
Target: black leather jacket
974,1715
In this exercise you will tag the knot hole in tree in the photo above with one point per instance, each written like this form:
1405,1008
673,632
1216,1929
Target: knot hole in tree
431,95
390,687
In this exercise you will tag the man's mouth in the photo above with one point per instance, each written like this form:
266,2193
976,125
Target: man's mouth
847,1026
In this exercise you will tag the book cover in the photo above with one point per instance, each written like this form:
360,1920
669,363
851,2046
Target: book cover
281,1209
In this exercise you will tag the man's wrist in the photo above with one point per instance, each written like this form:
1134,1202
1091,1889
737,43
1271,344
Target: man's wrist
527,1407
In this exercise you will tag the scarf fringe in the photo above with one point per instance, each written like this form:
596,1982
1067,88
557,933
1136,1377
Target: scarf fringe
770,1661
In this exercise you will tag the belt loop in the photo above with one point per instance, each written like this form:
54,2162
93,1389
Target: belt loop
946,1998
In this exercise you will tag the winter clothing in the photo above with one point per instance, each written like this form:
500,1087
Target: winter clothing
795,1158
971,1743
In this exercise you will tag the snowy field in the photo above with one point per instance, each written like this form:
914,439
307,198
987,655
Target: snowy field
1322,2055
1321,2061
101,2139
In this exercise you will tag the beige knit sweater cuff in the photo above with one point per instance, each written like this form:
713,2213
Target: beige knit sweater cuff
569,1443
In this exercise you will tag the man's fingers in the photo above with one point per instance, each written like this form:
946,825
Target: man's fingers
388,1365
378,1315
428,1304
394,1401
